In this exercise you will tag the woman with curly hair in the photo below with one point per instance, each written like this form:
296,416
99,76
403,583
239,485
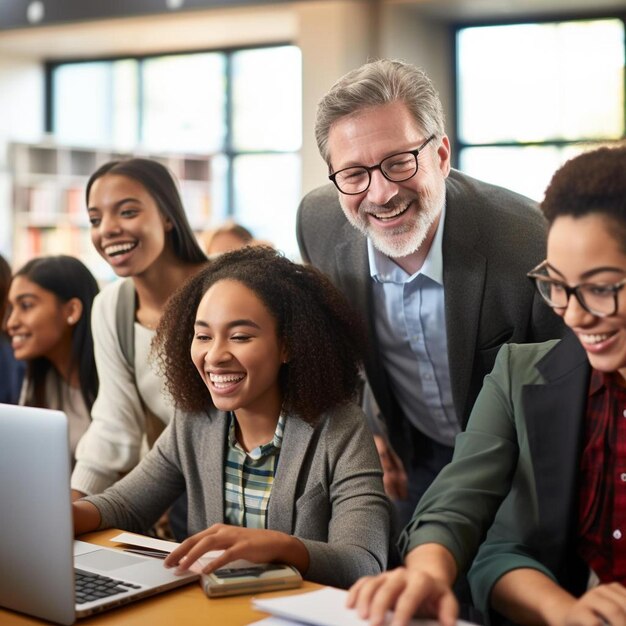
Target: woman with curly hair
278,462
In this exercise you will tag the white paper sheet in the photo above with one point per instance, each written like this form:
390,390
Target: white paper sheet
326,607
145,542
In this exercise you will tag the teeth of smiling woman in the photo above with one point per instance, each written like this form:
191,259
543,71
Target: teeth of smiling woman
224,379
594,338
119,248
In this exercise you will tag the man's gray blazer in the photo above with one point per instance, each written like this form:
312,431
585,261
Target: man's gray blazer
491,238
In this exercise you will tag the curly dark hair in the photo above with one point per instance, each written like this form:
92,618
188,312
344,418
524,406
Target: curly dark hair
592,182
323,337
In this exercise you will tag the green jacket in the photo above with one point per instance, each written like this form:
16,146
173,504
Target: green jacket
516,465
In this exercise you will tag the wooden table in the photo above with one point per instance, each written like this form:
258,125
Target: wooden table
187,605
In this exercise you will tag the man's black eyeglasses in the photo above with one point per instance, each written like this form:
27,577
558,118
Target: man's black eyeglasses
396,168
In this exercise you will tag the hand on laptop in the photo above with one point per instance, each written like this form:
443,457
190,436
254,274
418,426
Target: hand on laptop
256,545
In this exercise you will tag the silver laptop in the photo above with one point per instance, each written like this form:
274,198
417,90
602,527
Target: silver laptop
38,554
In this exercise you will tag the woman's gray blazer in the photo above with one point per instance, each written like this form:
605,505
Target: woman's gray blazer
328,489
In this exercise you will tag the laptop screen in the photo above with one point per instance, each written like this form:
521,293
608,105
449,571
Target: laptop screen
36,531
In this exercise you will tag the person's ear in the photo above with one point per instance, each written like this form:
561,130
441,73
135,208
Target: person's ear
168,225
73,311
443,152
284,354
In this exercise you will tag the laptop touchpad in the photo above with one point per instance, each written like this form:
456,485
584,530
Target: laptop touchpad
106,560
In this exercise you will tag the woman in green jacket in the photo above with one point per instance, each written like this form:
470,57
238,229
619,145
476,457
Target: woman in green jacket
539,474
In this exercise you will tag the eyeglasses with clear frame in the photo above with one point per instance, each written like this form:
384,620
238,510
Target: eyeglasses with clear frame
599,299
397,168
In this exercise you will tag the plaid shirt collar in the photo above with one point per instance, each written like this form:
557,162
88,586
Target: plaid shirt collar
601,380
260,451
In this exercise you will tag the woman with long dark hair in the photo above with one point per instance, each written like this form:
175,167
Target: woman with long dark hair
50,302
139,227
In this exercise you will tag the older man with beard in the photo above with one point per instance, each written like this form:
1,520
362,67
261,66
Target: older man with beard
435,261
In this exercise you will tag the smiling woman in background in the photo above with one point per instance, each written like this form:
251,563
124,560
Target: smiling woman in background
50,302
139,227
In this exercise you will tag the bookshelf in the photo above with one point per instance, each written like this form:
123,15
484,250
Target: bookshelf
48,206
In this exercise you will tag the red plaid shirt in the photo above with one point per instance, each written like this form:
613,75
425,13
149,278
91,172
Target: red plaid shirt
602,506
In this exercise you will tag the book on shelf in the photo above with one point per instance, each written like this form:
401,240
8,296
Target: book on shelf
75,206
43,204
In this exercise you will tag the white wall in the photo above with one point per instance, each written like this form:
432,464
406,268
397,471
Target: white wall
424,41
334,37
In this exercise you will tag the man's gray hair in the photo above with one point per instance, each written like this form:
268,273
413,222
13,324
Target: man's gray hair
377,83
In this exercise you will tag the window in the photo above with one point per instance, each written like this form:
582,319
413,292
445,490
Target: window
242,107
530,96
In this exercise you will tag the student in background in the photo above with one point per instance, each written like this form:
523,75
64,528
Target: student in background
226,237
541,464
278,463
139,227
50,301
12,369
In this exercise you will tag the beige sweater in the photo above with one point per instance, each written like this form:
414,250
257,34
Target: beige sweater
112,445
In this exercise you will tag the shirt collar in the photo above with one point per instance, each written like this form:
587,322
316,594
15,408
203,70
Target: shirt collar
384,270
260,451
603,380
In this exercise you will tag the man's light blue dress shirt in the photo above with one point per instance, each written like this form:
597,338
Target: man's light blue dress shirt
411,327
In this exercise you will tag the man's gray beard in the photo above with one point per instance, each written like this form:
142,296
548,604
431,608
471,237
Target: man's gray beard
402,241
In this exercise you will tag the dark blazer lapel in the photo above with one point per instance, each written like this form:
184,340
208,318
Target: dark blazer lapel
296,440
357,285
463,279
554,413
352,253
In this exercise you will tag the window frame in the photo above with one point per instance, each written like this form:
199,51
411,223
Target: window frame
459,143
229,153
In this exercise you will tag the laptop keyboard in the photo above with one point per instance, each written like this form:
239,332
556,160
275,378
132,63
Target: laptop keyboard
89,586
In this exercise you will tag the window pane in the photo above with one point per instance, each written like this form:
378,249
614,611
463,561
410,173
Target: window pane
96,103
534,82
525,169
219,190
205,199
125,104
267,192
267,99
184,103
